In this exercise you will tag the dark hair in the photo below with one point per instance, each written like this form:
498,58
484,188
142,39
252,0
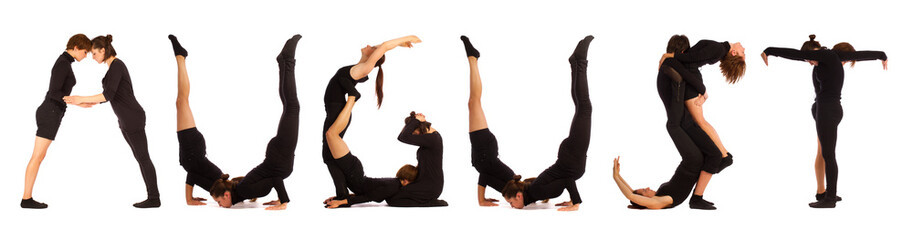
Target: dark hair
423,127
379,85
79,41
104,42
514,186
846,47
811,44
732,67
407,172
677,44
223,185
635,205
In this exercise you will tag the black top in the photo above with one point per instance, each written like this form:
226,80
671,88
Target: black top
429,183
679,187
258,183
62,79
118,89
341,84
547,187
705,52
828,75
378,189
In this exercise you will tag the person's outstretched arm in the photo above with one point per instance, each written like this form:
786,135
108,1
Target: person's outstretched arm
651,203
864,56
675,70
362,69
791,54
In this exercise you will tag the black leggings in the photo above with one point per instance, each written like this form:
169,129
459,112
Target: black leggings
280,152
827,115
694,145
137,141
571,161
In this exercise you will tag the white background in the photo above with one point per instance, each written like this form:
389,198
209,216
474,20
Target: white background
90,178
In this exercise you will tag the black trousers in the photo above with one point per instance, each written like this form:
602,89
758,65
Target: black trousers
280,152
571,161
694,145
137,141
827,115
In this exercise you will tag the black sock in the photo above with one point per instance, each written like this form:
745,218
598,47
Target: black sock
31,203
824,203
470,50
288,51
178,49
820,196
582,47
148,203
698,202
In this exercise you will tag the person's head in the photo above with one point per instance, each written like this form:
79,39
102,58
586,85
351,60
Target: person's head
733,64
846,47
423,127
513,192
646,192
407,174
678,44
811,44
222,188
102,50
78,46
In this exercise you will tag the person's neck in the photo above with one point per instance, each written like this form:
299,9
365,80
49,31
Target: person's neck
72,53
110,60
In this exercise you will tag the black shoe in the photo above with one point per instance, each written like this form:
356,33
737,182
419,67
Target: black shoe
31,203
824,203
148,203
820,197
698,202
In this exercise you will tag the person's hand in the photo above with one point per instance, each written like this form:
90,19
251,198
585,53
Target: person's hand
278,207
488,202
663,59
336,203
75,100
885,64
329,199
196,201
86,105
701,98
420,117
764,56
409,40
271,203
570,208
564,204
617,168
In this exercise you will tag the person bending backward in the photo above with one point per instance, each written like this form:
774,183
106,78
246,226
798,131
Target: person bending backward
422,184
280,152
50,113
688,130
192,146
492,172
118,89
827,77
571,163
342,84
366,189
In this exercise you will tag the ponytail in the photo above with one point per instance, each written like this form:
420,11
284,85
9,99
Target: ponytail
104,42
515,186
379,86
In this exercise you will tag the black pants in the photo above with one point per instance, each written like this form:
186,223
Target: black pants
827,115
571,161
492,172
137,141
694,145
280,152
339,177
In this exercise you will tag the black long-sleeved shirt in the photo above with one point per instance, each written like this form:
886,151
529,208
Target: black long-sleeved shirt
498,181
377,190
678,187
827,77
705,52
429,183
118,89
62,79
342,84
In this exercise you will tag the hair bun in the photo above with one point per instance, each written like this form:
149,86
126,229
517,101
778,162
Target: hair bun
517,178
224,177
810,37
109,38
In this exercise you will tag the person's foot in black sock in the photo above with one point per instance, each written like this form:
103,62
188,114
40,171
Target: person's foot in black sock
726,162
824,203
582,47
698,202
176,46
820,196
470,50
149,203
288,51
31,203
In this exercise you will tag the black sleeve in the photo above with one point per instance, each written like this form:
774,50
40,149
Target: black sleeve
862,56
696,81
113,78
704,50
572,190
793,54
406,136
198,180
347,84
279,185
59,74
